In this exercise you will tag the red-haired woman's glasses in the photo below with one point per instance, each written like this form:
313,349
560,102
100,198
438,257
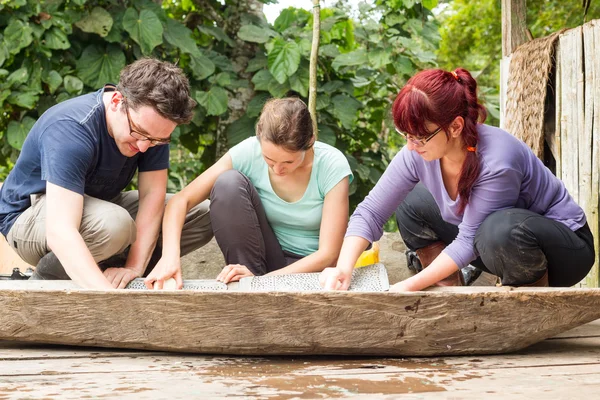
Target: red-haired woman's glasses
418,142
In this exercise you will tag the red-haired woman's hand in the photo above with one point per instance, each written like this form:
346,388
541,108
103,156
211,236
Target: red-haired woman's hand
335,279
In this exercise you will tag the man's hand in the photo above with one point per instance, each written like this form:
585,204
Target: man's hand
233,273
335,279
120,277
165,269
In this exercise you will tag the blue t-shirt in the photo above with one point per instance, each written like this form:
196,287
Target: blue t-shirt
296,225
69,146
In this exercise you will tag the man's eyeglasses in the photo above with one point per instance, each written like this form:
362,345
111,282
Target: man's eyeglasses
140,136
418,142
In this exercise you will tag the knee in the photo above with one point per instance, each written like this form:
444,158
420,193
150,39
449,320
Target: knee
228,186
494,232
506,229
417,202
114,231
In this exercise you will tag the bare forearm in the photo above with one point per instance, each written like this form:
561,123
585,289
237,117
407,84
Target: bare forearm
439,269
352,248
315,262
172,225
147,229
70,248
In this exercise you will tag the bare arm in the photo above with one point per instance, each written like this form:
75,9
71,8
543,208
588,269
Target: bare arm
152,192
333,226
64,210
177,208
439,269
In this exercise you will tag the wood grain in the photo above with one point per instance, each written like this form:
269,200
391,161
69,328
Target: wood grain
462,321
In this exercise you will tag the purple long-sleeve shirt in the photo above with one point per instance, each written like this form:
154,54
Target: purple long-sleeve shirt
511,176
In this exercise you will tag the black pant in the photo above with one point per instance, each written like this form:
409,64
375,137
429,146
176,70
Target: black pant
241,227
515,244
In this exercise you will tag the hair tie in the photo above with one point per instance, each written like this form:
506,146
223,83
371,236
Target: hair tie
455,75
473,149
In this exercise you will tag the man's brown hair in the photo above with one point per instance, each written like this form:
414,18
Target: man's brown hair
160,85
286,123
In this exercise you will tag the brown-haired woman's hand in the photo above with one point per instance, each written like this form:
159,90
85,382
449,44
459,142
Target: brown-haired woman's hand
233,273
165,269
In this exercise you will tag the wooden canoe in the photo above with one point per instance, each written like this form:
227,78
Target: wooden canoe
448,321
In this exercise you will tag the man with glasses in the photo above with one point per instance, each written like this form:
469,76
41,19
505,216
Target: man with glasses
62,207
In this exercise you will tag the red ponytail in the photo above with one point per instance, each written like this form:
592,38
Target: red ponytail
439,97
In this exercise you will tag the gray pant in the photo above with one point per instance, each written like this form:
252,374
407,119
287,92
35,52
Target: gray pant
108,229
241,227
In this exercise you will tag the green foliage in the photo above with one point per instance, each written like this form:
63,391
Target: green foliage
54,50
472,36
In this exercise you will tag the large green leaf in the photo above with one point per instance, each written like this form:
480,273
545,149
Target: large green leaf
278,89
257,63
99,66
4,54
73,85
202,66
144,28
357,57
380,57
239,130
116,33
97,21
299,82
262,79
214,101
323,101
217,33
17,132
17,35
345,108
255,34
53,80
284,59
285,19
180,36
3,96
327,135
17,77
56,39
255,105
23,99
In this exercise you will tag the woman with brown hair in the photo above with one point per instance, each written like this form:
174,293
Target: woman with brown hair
279,201
467,193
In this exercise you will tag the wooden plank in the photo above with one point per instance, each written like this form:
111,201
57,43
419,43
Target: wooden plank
590,159
558,110
504,75
514,26
392,324
556,352
542,370
572,107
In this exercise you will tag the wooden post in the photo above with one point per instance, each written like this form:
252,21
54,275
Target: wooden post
314,55
589,160
514,34
514,26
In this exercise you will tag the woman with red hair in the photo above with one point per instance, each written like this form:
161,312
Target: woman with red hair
467,193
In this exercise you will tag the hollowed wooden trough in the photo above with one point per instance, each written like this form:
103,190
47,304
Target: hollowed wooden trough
449,321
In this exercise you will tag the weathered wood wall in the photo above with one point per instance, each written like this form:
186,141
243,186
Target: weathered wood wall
575,141
578,121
